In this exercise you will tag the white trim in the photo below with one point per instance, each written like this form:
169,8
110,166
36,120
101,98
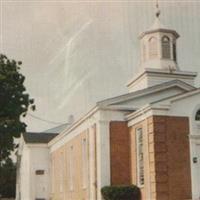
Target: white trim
148,110
159,29
161,73
121,107
36,145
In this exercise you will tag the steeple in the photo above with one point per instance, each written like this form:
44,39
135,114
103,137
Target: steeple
158,45
158,57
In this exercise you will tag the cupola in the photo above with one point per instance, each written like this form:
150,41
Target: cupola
158,46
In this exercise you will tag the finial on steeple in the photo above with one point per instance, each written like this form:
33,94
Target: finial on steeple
157,9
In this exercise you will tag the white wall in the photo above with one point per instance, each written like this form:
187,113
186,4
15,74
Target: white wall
34,157
39,160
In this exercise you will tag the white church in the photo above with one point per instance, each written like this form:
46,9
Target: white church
149,137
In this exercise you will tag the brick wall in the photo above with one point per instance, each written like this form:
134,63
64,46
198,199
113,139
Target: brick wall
120,154
166,158
172,158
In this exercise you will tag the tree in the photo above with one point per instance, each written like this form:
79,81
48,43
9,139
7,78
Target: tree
7,178
14,103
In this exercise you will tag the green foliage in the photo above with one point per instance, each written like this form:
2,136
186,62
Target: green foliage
121,192
7,179
14,103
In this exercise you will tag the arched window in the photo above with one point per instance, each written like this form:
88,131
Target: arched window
165,47
153,47
174,52
197,116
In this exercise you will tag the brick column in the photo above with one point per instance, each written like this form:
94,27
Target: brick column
169,153
120,153
158,158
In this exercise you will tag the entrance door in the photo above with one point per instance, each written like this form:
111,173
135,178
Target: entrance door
40,185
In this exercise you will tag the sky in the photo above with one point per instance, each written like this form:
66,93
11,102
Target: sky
76,53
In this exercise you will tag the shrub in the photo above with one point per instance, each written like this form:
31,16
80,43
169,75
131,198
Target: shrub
121,192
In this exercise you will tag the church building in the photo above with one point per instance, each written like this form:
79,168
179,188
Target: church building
149,137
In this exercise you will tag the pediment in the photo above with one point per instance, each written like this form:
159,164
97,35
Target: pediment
135,100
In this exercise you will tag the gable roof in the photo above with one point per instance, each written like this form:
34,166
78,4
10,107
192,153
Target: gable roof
141,93
33,137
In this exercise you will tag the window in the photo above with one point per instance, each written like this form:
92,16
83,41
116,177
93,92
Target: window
84,162
61,171
140,156
174,52
71,171
166,47
197,116
153,46
39,172
53,174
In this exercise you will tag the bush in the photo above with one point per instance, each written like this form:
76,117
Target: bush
120,192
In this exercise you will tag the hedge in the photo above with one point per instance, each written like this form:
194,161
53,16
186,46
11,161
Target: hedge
121,192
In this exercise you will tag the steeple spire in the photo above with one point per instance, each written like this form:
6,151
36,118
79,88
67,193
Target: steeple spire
157,9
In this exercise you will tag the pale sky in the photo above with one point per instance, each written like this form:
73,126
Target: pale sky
76,53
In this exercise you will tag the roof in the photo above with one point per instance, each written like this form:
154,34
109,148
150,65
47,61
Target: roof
159,27
34,137
57,129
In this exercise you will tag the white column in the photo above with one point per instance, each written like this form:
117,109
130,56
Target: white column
103,156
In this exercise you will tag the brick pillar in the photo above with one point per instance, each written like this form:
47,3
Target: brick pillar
170,174
120,153
158,159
